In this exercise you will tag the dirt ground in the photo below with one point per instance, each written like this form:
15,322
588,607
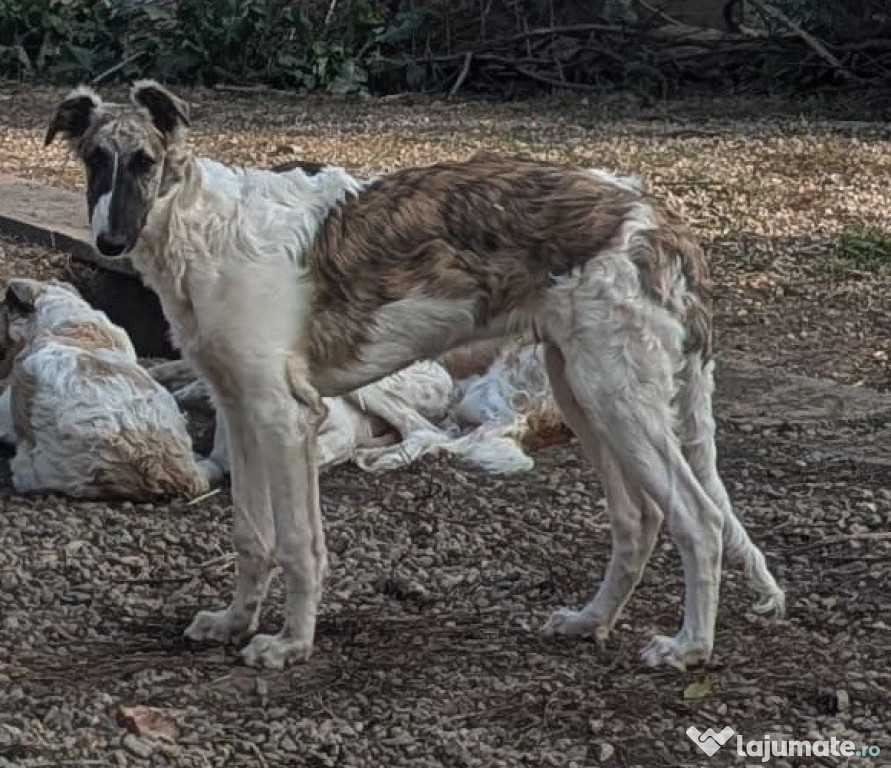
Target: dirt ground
428,652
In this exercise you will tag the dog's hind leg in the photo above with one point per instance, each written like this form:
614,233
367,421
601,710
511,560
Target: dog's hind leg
217,465
621,352
253,534
634,521
697,429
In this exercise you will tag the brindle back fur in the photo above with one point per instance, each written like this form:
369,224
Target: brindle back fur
497,229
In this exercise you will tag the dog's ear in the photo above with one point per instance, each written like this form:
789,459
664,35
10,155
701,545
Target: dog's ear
169,113
21,294
74,115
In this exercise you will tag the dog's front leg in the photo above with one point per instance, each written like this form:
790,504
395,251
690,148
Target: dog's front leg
289,453
253,532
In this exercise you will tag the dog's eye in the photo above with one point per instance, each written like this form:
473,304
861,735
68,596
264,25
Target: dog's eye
141,162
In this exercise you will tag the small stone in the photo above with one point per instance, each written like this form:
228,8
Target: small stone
605,751
287,744
137,746
843,699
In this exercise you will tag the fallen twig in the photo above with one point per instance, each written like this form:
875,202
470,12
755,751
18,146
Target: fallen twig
658,12
330,14
815,45
462,76
869,536
119,66
227,559
202,497
264,89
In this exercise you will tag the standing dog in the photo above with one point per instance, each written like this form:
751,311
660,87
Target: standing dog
283,285
85,418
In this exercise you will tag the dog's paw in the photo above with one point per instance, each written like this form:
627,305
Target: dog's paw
217,627
677,652
275,651
211,470
773,605
194,396
568,623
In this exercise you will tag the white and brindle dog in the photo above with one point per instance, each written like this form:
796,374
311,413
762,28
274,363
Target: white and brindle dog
85,418
283,288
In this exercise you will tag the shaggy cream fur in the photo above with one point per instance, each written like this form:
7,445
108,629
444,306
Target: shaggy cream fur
85,418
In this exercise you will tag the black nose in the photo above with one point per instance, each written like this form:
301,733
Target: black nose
109,245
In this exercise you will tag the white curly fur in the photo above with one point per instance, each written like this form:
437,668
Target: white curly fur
85,418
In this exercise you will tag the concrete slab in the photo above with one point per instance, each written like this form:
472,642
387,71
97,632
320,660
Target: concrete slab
748,392
52,217
56,218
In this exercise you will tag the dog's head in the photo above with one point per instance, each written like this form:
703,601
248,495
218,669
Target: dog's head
132,154
16,320
28,307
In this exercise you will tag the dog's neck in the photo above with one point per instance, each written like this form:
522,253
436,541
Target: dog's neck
193,187
208,215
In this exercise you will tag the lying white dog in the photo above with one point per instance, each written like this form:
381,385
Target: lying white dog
86,420
393,422
89,422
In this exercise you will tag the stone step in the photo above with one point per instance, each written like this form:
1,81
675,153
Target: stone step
56,218
51,217
748,392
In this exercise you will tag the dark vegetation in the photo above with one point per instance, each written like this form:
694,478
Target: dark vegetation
503,47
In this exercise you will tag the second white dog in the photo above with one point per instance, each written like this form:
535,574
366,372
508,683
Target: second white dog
85,418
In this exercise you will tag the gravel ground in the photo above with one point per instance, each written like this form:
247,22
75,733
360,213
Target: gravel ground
428,652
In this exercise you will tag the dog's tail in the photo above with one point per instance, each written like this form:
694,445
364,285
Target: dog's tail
304,392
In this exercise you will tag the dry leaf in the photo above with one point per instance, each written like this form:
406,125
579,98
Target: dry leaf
153,722
699,689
